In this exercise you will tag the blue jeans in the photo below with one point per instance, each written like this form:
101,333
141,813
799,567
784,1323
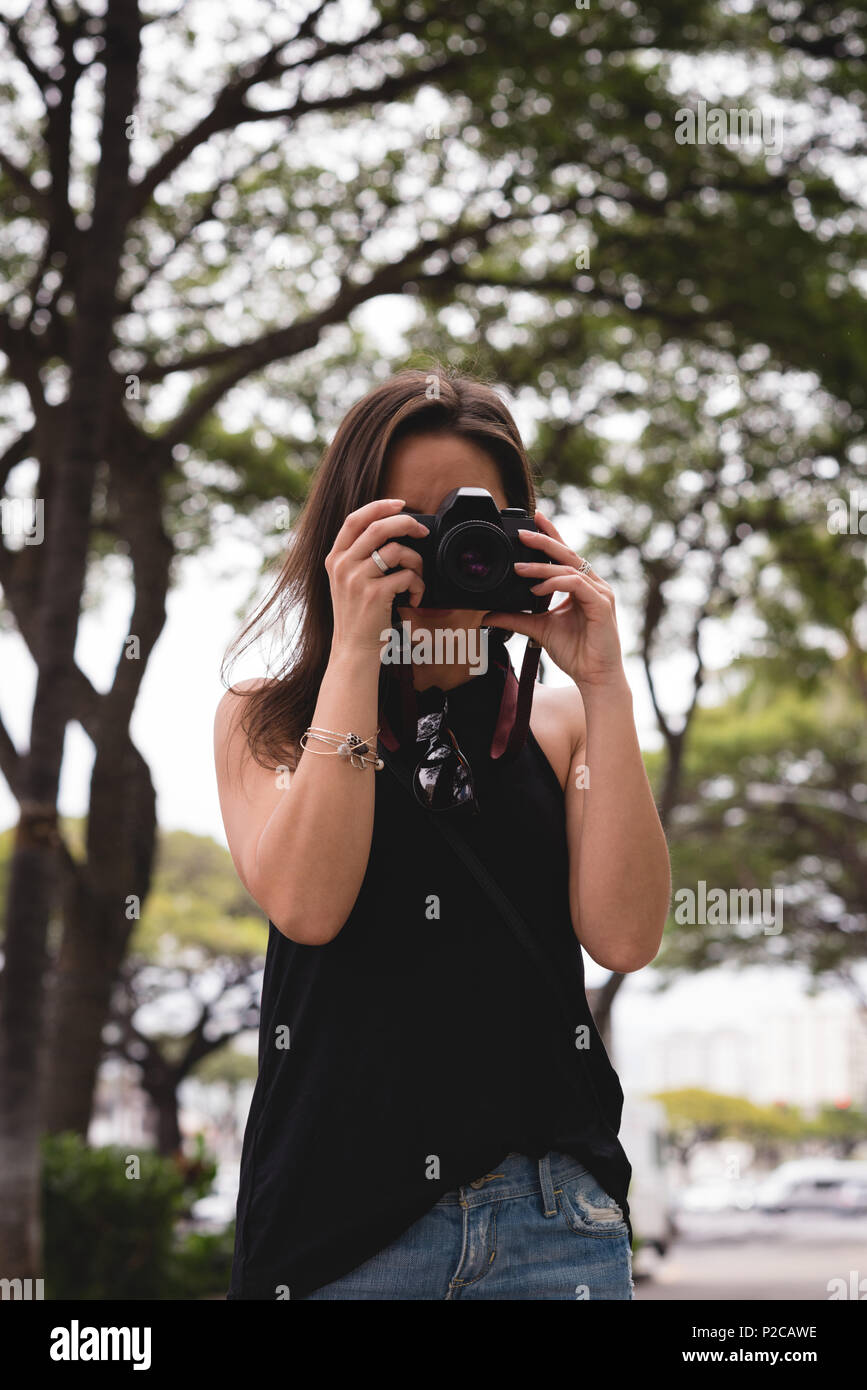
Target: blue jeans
533,1229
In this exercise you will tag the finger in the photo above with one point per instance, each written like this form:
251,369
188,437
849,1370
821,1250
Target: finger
551,530
598,584
527,624
404,579
536,540
578,584
544,569
382,530
546,524
393,553
361,518
527,569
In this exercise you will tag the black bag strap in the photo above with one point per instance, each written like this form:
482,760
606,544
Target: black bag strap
509,912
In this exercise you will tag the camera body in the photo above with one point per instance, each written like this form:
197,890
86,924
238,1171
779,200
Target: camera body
469,553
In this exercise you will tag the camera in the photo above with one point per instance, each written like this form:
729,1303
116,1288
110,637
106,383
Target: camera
469,552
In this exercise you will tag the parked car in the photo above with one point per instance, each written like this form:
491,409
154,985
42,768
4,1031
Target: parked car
716,1196
815,1184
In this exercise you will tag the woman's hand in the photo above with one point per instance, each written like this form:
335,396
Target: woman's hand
580,634
361,595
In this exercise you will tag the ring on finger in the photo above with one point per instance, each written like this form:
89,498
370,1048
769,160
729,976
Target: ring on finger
584,567
380,563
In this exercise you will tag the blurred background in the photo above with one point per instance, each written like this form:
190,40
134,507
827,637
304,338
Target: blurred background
646,227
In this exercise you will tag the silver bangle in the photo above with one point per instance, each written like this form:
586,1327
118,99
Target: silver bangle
350,747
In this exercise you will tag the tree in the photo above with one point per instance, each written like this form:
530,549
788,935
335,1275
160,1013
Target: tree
195,966
774,793
698,521
696,1117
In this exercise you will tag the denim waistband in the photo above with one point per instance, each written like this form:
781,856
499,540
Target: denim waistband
517,1175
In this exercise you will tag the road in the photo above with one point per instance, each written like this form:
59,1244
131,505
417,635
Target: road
785,1257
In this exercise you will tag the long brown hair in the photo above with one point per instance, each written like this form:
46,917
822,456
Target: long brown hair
349,474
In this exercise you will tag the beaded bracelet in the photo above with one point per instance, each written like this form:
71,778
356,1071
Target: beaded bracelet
347,746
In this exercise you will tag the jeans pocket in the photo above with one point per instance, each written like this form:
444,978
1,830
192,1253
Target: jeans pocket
588,1209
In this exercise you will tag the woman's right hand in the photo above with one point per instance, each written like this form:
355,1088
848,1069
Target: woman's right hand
361,595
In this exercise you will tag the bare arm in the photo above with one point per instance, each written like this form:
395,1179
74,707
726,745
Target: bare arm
619,878
301,842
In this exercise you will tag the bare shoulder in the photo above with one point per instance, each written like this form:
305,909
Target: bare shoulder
248,791
231,704
230,740
559,725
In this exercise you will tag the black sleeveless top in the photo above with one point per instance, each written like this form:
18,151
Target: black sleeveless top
412,1052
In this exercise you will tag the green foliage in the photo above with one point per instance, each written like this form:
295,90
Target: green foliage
774,793
197,901
227,1064
202,1265
698,1116
695,1114
842,1126
110,1236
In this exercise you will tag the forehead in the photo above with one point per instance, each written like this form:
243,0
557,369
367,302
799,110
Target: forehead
423,468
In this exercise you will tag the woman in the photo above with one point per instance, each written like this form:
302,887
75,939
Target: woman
423,1124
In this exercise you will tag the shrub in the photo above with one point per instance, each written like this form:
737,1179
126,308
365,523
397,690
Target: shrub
112,1236
202,1265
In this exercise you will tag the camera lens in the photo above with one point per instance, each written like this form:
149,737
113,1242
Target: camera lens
475,556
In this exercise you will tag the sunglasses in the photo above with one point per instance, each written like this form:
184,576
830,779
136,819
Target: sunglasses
443,778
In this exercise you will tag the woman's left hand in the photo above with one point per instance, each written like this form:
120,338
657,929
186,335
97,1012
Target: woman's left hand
580,634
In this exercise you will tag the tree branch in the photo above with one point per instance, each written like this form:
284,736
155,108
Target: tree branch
22,53
287,342
230,109
10,762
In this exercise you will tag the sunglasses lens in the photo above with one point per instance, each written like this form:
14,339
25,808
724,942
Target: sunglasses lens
443,778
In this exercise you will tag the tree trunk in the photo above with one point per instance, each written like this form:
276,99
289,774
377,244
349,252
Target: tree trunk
29,900
165,1102
96,931
94,269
